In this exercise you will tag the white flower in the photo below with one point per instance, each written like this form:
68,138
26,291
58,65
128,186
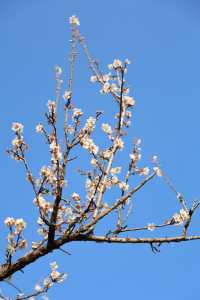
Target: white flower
158,171
129,101
17,127
45,171
77,113
39,128
177,219
106,154
144,171
117,64
114,180
116,170
151,226
123,186
90,124
38,287
128,114
67,95
88,144
17,142
110,66
93,78
22,244
106,128
9,221
119,143
61,278
47,282
154,159
75,197
58,70
114,87
53,265
40,221
106,77
138,142
20,225
74,20
127,61
51,106
93,162
184,214
55,275
70,129
105,88
135,156
35,245
55,150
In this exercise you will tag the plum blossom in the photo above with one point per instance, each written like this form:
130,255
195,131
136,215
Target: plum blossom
39,128
151,226
129,101
74,20
158,171
123,186
9,221
17,127
106,128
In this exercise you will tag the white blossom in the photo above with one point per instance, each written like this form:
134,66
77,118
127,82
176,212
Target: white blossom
129,101
39,128
9,221
106,128
74,20
154,159
144,171
67,95
116,170
105,88
20,224
53,265
119,143
75,197
123,186
17,141
90,124
77,112
151,226
135,156
127,61
88,144
117,64
51,106
106,154
58,70
38,287
158,171
17,127
93,78
56,153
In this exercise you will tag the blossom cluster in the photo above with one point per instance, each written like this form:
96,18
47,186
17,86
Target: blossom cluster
68,212
15,236
18,144
181,217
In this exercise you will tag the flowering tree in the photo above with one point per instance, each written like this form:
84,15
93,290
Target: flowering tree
64,218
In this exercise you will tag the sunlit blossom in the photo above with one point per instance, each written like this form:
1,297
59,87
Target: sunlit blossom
74,20
17,127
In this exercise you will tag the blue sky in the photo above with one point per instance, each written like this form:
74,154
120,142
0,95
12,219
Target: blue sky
161,38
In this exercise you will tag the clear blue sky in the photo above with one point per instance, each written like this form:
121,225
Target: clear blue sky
161,38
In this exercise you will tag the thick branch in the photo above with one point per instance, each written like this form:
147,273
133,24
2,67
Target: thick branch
6,271
129,240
